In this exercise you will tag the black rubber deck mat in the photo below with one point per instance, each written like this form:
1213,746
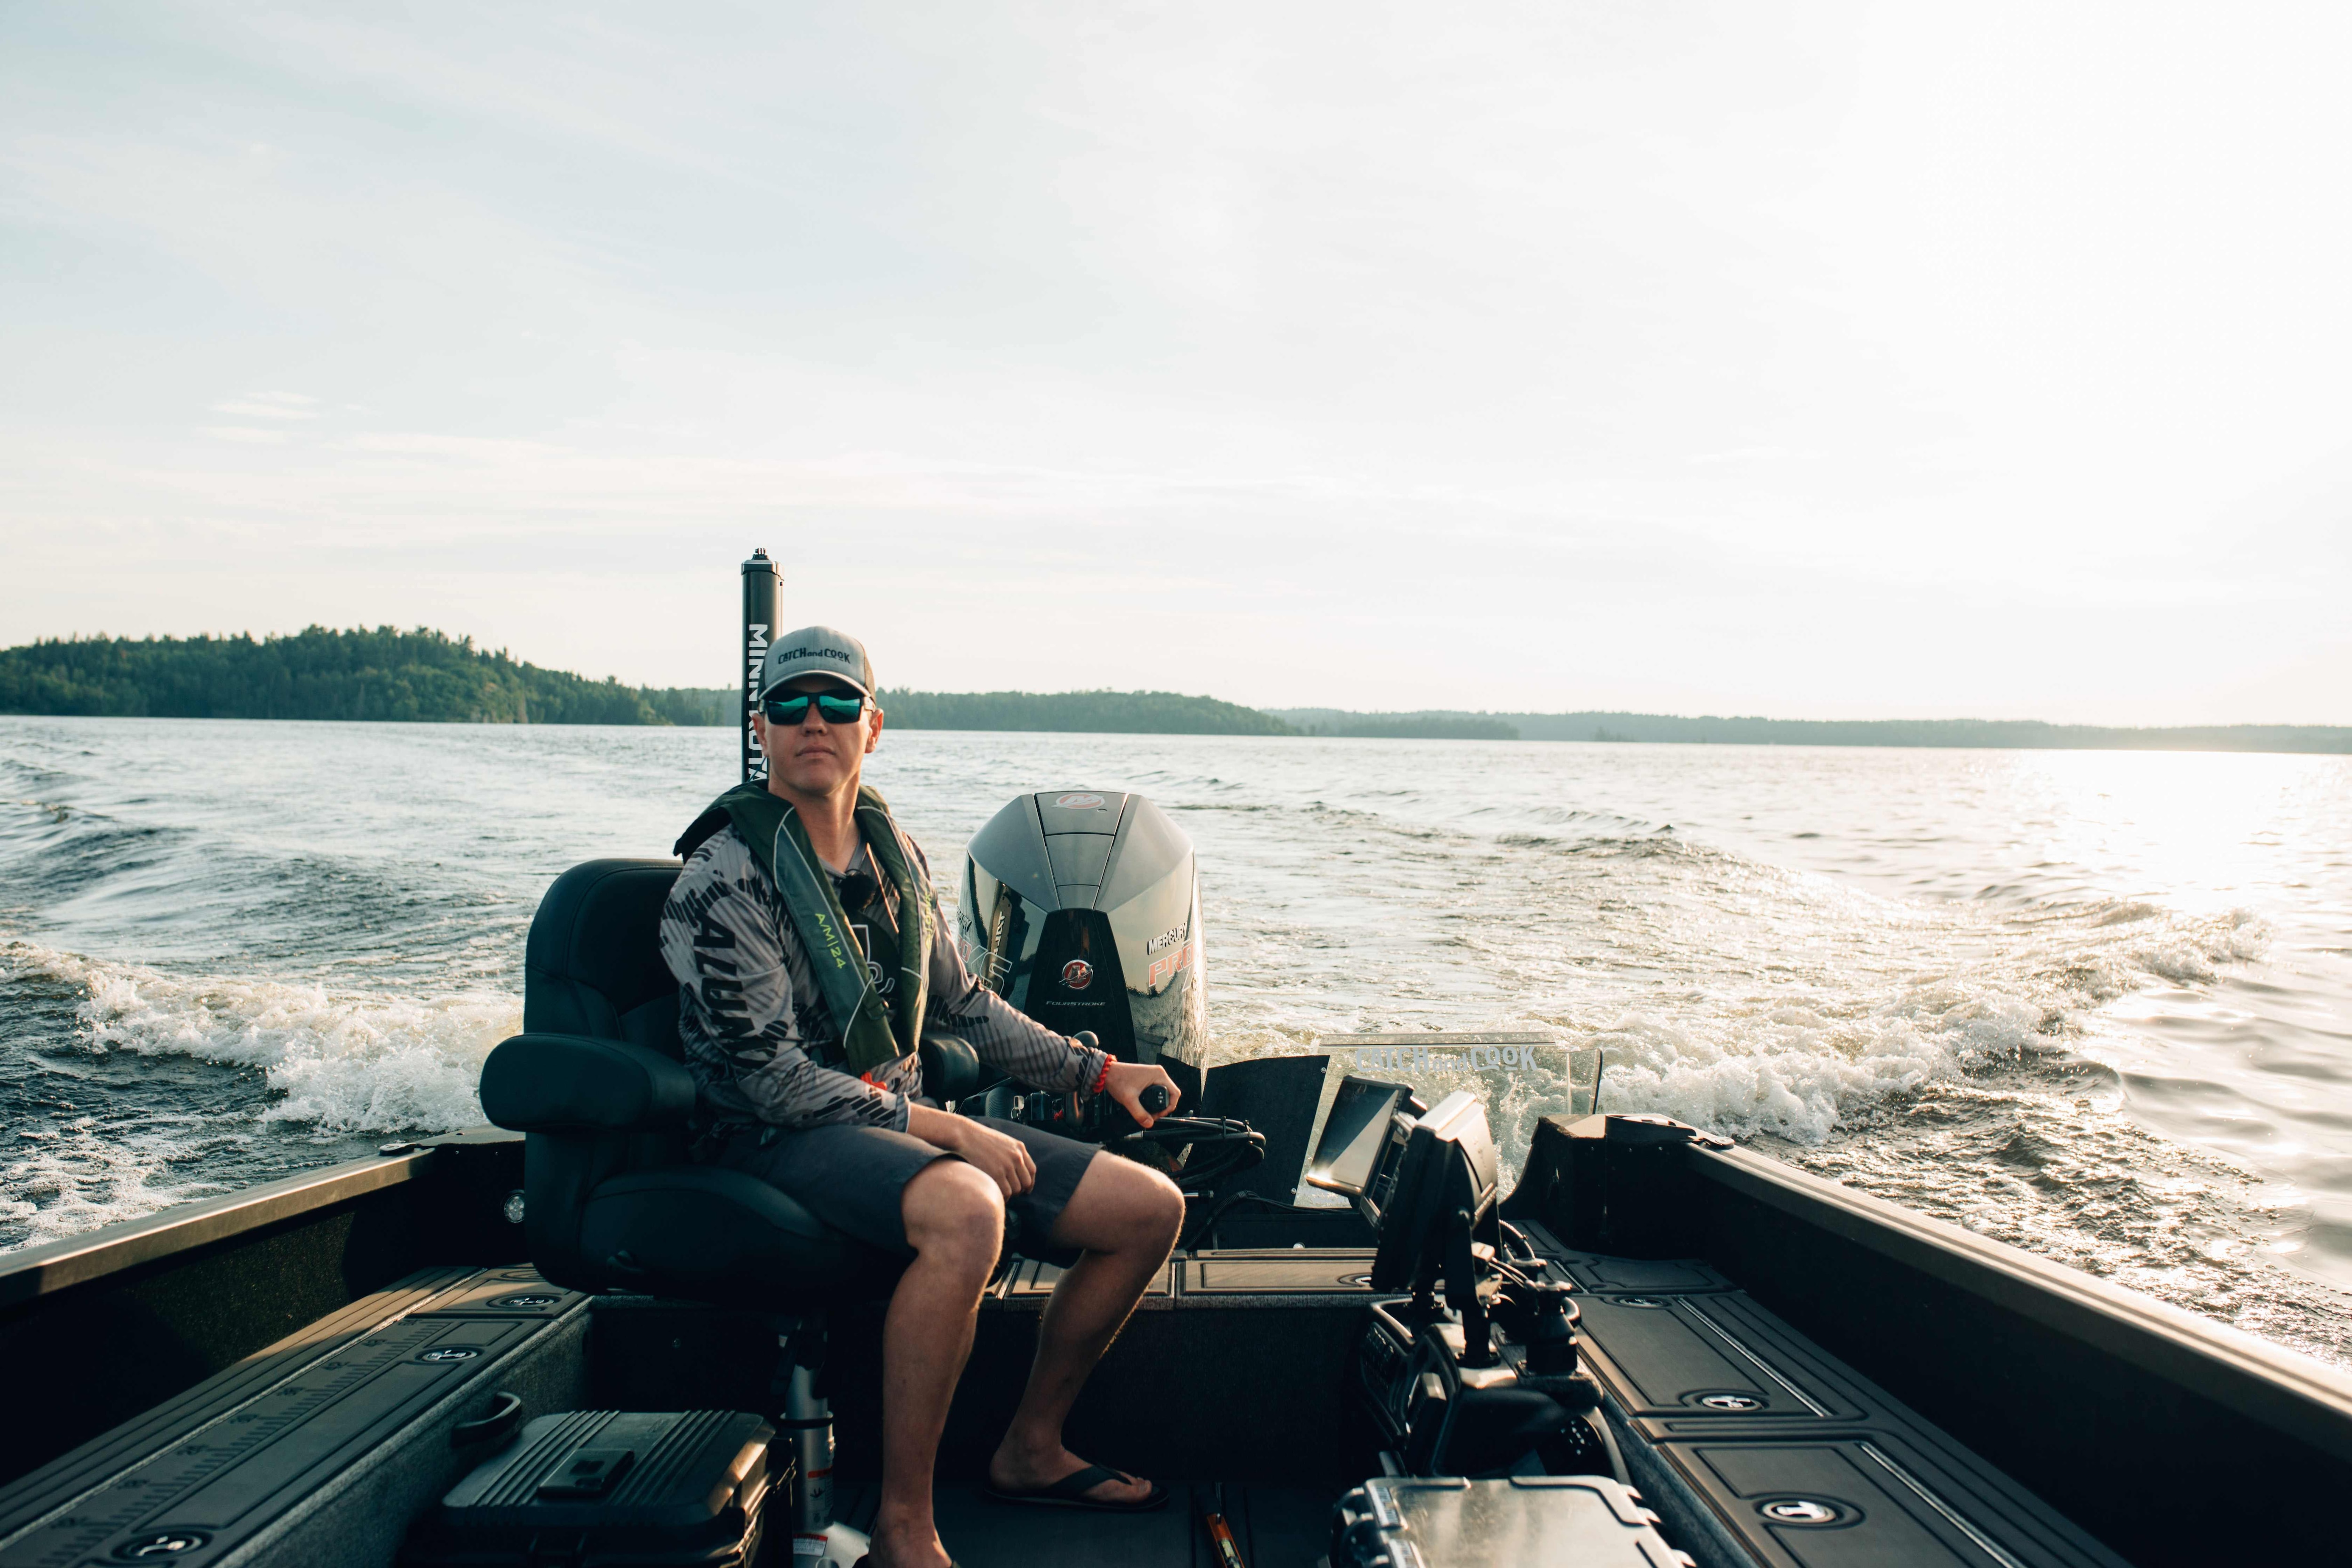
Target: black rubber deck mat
1783,1447
69,1475
1275,1527
219,1462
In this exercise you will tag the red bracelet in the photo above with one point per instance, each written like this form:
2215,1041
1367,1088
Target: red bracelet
1104,1077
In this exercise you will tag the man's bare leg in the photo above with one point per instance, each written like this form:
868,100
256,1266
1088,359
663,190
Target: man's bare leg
1126,1218
955,1221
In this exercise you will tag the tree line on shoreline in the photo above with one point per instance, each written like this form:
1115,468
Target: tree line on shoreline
424,676
387,675
384,674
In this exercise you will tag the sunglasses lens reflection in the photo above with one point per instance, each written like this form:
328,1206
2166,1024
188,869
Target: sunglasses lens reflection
793,709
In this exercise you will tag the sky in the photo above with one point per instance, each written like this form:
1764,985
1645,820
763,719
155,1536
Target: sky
1808,361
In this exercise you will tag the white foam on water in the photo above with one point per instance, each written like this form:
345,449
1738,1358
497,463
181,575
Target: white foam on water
338,1060
1793,1073
354,1061
74,1176
1741,996
1799,1072
2197,955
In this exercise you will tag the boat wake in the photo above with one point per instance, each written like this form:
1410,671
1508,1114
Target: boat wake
132,1089
350,1061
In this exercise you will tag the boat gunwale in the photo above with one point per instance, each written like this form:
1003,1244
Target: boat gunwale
53,1267
2279,1388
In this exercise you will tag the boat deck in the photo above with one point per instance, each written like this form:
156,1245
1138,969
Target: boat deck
1237,1371
1729,1420
161,1401
316,1449
1272,1525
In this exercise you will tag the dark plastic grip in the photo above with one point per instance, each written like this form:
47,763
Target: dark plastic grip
575,1083
1154,1100
498,1427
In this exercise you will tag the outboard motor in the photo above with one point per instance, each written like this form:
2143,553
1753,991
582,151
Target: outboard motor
1083,910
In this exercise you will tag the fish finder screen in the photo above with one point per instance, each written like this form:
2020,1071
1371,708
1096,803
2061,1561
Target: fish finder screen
1353,1135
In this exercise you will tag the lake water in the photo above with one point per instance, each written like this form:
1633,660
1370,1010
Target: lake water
2096,1004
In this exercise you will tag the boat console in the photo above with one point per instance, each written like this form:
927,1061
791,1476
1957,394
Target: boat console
1201,1154
1485,1380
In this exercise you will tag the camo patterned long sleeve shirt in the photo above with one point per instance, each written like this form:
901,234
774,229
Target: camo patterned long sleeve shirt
754,1024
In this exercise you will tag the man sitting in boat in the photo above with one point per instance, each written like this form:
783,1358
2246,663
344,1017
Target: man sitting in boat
810,954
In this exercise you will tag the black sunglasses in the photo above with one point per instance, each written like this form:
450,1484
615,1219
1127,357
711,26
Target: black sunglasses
791,707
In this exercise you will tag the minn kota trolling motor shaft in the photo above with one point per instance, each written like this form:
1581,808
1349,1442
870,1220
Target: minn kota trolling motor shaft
761,584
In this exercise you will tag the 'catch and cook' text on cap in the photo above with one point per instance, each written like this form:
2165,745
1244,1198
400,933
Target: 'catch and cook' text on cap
817,650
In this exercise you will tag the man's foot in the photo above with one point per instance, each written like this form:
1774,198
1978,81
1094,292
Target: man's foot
1023,1475
914,1547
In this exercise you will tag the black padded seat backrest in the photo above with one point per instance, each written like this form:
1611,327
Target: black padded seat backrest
628,1209
593,964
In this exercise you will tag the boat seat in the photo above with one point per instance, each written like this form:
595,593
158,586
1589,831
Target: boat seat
611,1200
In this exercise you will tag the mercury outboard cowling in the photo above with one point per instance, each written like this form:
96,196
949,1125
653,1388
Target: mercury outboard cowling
1083,910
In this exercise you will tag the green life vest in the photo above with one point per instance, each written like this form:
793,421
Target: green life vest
871,1034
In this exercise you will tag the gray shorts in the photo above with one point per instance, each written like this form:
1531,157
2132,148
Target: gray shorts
853,1177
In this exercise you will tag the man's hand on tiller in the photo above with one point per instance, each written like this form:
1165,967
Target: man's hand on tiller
1128,1082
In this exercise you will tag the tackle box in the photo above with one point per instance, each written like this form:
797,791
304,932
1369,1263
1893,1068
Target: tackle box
600,1489
1528,1521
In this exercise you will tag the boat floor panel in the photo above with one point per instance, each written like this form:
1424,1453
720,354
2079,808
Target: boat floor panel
240,1458
1600,1274
111,1452
512,1292
1763,1436
1871,1498
1706,1357
1275,1527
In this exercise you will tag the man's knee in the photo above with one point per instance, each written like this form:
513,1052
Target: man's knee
1141,1210
955,1209
1160,1211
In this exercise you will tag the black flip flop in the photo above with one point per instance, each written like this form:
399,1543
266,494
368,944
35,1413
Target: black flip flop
1071,1490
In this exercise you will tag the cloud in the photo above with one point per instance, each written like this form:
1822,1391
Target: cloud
1744,455
271,405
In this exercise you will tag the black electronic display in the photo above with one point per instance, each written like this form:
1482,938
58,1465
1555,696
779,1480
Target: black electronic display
1355,1135
1446,1168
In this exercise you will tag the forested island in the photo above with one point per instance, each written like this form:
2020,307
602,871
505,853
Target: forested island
384,674
1400,726
1098,712
425,676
